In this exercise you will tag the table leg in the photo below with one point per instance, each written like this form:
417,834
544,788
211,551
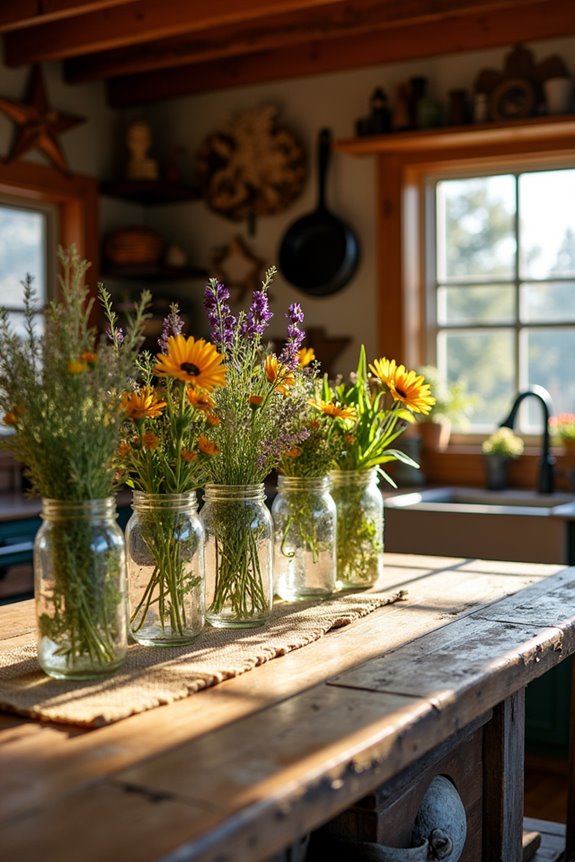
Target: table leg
503,777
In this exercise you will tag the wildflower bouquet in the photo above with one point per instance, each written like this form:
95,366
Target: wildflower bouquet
164,457
257,414
60,393
384,403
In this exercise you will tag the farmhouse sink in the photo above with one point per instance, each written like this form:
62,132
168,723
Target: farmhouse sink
517,525
456,499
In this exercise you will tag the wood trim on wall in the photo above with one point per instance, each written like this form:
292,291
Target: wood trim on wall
76,197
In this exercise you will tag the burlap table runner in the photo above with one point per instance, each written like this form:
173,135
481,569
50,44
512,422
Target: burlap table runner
151,677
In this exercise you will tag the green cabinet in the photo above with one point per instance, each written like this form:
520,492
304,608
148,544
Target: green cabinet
547,707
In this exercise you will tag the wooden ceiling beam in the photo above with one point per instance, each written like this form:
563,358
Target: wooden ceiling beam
538,20
18,14
266,34
134,23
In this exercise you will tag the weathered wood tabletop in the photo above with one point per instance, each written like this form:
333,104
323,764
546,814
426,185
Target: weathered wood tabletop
239,771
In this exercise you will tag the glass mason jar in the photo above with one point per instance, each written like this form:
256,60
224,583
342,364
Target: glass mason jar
304,517
165,550
80,589
359,505
238,527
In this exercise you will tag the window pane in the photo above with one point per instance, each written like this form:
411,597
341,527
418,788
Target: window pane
547,302
22,251
490,304
17,323
475,228
551,363
547,237
485,360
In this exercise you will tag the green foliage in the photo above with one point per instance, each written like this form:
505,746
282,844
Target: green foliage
60,388
503,442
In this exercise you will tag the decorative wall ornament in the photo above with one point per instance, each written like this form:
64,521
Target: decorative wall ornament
239,268
37,124
252,167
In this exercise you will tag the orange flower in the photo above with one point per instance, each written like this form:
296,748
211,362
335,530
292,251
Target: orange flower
294,452
142,404
77,366
196,362
89,357
337,411
124,448
213,420
255,400
200,400
150,440
305,355
278,374
207,446
12,416
188,456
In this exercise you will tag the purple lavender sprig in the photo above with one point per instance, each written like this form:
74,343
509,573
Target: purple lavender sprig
259,315
115,336
288,356
222,321
172,325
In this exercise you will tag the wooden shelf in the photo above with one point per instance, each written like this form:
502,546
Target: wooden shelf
150,191
154,273
451,137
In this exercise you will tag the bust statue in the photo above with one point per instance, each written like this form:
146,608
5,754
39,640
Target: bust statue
140,166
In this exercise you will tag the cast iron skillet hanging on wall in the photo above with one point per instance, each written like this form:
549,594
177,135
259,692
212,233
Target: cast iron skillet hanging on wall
319,253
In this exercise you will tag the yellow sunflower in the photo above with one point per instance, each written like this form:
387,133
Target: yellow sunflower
405,386
195,361
337,411
142,404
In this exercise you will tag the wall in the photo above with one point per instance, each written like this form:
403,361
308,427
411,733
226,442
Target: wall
305,105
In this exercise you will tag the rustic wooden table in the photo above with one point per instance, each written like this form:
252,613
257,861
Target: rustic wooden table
242,770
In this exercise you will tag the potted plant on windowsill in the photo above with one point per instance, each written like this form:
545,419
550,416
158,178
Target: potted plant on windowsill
562,429
502,446
453,407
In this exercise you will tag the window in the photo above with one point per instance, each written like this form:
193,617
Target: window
500,274
26,247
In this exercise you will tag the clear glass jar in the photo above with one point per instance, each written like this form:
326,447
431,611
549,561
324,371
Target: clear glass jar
165,550
304,517
359,505
238,527
80,589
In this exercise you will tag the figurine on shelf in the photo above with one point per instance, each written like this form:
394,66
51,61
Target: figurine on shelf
140,165
380,113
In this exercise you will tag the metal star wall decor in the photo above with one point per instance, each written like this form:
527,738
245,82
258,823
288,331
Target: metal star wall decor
37,124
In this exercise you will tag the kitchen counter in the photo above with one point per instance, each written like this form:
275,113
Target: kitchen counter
355,721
